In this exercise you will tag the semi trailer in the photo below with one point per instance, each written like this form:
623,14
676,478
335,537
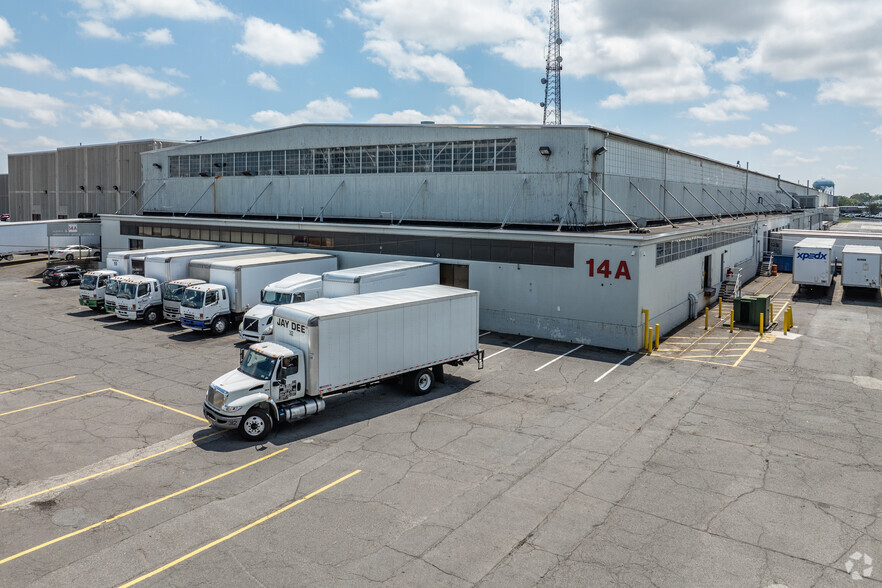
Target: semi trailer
391,275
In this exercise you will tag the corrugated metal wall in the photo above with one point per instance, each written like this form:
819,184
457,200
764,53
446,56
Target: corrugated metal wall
97,179
4,193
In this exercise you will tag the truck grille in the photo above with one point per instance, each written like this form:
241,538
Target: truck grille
216,398
250,324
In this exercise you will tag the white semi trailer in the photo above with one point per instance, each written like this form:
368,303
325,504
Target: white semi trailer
173,271
127,262
329,346
233,285
256,325
392,275
861,266
813,262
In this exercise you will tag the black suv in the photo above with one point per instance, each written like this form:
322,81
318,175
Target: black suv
63,275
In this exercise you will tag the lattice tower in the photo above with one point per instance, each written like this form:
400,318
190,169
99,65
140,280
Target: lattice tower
551,105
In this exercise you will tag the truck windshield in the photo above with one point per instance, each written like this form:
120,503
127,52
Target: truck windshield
127,291
89,282
192,298
275,298
257,366
112,287
173,292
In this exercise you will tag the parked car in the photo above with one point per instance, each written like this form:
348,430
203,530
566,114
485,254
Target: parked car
63,275
4,217
73,252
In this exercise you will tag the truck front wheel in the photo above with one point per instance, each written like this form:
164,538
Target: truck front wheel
219,325
151,315
256,425
422,382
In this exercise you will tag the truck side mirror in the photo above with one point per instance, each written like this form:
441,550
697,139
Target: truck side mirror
241,355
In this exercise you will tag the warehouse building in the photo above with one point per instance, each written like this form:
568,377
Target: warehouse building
568,232
76,181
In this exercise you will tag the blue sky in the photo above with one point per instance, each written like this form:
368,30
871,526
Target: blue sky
794,87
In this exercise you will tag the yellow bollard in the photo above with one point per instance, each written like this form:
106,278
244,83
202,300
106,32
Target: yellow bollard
762,322
649,347
771,311
720,307
785,320
706,315
646,341
731,321
657,335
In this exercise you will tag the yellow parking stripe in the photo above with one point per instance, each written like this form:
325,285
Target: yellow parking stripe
2,414
139,508
755,341
237,532
113,469
36,385
192,416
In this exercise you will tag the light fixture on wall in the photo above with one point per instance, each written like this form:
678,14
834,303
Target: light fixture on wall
204,174
219,164
98,188
83,188
116,188
545,150
157,166
600,150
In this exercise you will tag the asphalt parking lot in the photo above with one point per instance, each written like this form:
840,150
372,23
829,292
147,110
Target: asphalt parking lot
555,465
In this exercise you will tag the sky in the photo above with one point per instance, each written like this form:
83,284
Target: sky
790,87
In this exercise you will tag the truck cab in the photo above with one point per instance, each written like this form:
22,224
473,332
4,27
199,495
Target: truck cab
172,292
268,386
139,298
92,287
257,323
112,289
206,307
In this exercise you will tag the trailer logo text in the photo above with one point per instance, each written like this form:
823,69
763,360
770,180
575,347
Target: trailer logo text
290,325
817,255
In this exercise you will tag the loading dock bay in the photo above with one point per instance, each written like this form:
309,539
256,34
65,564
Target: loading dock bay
557,464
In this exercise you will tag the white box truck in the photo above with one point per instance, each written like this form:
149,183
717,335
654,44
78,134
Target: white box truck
122,262
392,275
333,345
813,262
861,266
111,290
256,325
233,285
173,271
139,298
92,287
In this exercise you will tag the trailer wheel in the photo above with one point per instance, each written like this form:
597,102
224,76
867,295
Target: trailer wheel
219,325
151,316
256,425
422,382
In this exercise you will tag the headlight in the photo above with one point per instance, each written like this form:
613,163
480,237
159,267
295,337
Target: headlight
268,330
230,408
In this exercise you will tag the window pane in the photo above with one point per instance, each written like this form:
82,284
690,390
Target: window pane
205,165
484,154
307,159
251,162
240,163
229,165
278,168
386,163
506,155
443,157
292,162
422,157
217,164
369,160
337,166
353,160
462,156
403,159
321,161
174,166
271,239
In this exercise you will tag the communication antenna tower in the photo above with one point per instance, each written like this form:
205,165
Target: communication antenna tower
551,81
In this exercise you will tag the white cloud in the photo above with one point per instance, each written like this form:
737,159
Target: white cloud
779,129
878,131
7,33
98,30
412,64
264,81
204,10
410,117
137,79
732,107
277,45
843,167
490,106
787,157
838,148
97,117
158,37
782,94
41,142
33,64
15,124
326,110
42,108
173,71
363,92
732,141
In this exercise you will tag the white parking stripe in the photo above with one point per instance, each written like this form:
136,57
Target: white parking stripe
507,348
558,357
609,371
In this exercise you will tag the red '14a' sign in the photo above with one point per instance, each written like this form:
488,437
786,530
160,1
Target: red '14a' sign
603,269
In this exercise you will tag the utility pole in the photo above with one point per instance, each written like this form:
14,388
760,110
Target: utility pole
551,81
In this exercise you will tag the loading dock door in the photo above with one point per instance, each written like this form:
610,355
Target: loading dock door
455,275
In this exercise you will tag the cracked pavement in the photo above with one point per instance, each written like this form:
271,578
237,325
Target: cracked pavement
664,473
